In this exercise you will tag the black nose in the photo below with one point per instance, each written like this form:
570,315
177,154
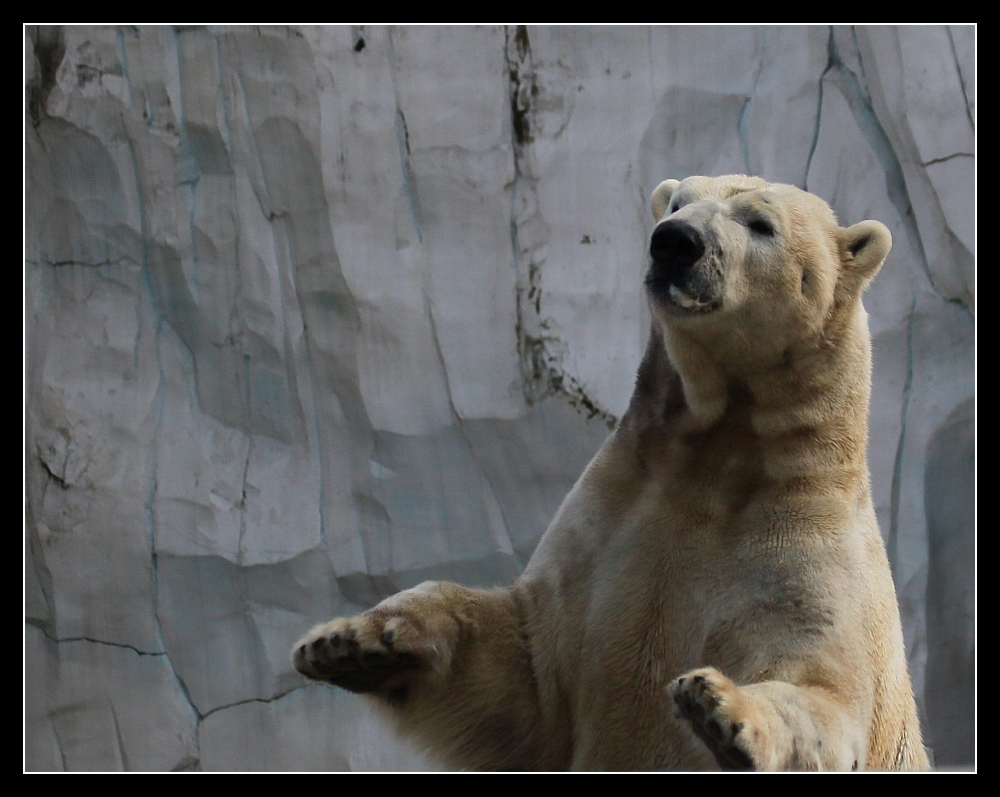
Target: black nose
676,245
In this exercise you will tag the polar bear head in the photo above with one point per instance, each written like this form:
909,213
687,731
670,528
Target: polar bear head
750,268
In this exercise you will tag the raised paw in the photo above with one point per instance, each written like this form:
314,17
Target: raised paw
376,651
711,703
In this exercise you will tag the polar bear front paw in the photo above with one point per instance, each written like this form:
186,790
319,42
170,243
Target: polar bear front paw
374,652
711,703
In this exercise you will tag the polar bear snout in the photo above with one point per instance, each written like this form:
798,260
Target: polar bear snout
675,247
677,276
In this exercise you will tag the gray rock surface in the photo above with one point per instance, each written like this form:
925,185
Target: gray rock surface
314,314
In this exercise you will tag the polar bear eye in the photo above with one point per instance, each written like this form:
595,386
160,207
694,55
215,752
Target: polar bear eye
761,227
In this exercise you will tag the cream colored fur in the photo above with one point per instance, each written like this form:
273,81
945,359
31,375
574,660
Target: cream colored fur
714,591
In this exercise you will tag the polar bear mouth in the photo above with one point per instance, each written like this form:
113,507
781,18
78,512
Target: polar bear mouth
684,298
697,304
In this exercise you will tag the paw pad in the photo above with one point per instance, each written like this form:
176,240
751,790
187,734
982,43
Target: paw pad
360,654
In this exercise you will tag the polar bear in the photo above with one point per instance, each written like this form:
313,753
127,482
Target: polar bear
714,591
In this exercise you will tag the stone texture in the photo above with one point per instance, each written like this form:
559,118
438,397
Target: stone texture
313,314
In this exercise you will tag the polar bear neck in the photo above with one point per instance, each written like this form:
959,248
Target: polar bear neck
682,390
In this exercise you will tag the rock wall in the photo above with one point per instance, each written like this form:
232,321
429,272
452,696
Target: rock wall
314,314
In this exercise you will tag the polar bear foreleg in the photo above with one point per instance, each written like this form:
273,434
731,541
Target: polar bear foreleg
450,664
767,726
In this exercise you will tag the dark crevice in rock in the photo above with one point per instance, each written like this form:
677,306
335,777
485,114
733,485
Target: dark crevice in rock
49,48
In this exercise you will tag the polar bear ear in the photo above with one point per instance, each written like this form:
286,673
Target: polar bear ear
863,249
661,198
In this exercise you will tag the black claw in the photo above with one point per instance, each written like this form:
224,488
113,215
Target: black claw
732,759
388,637
317,644
335,639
